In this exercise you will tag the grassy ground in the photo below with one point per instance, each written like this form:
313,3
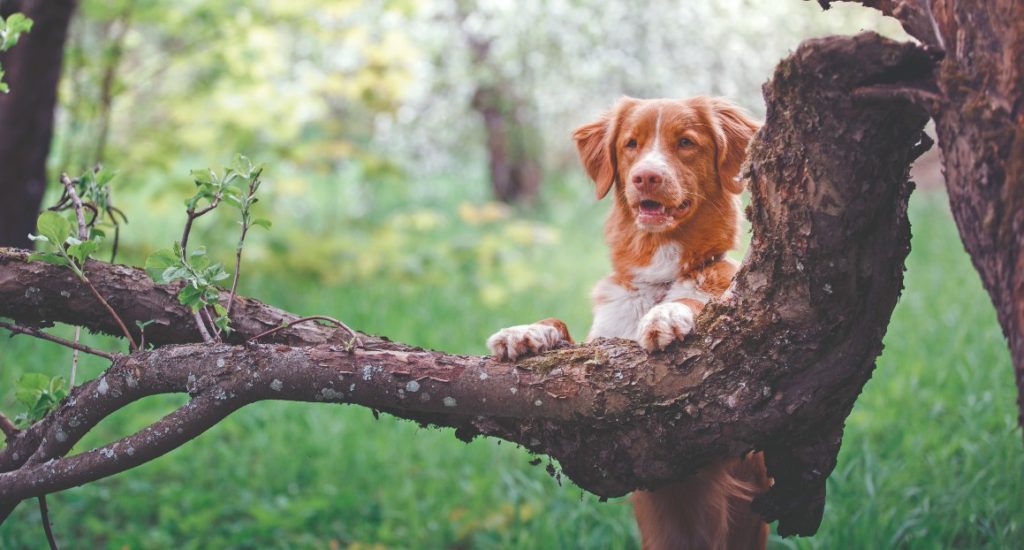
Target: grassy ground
932,456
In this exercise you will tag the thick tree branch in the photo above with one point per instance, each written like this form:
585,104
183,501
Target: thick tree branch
776,366
38,294
977,92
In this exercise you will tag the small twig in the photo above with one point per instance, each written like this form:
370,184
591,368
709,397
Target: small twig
202,327
44,514
117,229
238,267
74,358
46,336
8,428
192,215
117,318
83,234
69,188
355,338
215,333
253,184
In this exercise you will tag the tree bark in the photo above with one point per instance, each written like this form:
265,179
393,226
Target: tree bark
976,97
26,113
776,366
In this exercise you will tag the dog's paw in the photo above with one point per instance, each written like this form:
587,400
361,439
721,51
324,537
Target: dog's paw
664,324
522,340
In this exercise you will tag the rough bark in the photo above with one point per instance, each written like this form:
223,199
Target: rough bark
26,113
976,97
777,366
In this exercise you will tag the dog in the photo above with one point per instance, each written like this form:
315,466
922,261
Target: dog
672,166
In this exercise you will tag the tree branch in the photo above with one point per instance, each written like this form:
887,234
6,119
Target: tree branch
56,339
916,16
775,366
44,515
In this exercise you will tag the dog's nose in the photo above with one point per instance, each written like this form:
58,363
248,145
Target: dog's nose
647,177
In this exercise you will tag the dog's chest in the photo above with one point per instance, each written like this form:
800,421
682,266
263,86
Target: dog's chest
618,310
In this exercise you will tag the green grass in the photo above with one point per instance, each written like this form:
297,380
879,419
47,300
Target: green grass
932,457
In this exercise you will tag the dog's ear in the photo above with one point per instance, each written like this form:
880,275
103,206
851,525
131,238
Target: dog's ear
595,143
733,130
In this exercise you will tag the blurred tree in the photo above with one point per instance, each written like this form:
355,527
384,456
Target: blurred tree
33,69
512,140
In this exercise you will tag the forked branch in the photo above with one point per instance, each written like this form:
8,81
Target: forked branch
777,366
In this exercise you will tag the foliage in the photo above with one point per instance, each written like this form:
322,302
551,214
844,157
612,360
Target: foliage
63,247
200,276
237,187
11,30
40,393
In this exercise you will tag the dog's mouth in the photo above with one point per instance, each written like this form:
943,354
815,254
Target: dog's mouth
650,212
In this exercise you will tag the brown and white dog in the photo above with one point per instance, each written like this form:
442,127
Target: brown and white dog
674,168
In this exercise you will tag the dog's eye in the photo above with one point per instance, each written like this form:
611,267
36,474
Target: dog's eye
684,142
631,144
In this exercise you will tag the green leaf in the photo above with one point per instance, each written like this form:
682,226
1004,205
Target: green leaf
30,386
54,227
261,222
204,177
16,24
57,388
190,296
210,294
199,261
158,263
104,175
40,393
243,166
216,273
174,273
83,250
48,257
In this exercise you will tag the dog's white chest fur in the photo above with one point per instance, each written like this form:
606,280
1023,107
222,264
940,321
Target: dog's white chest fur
618,310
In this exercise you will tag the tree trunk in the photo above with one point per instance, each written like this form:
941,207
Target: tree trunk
776,366
976,96
512,150
26,113
515,175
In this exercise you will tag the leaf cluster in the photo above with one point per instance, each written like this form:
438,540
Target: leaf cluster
40,393
237,187
64,248
11,30
199,273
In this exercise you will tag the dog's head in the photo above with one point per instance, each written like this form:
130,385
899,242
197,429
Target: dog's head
666,157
